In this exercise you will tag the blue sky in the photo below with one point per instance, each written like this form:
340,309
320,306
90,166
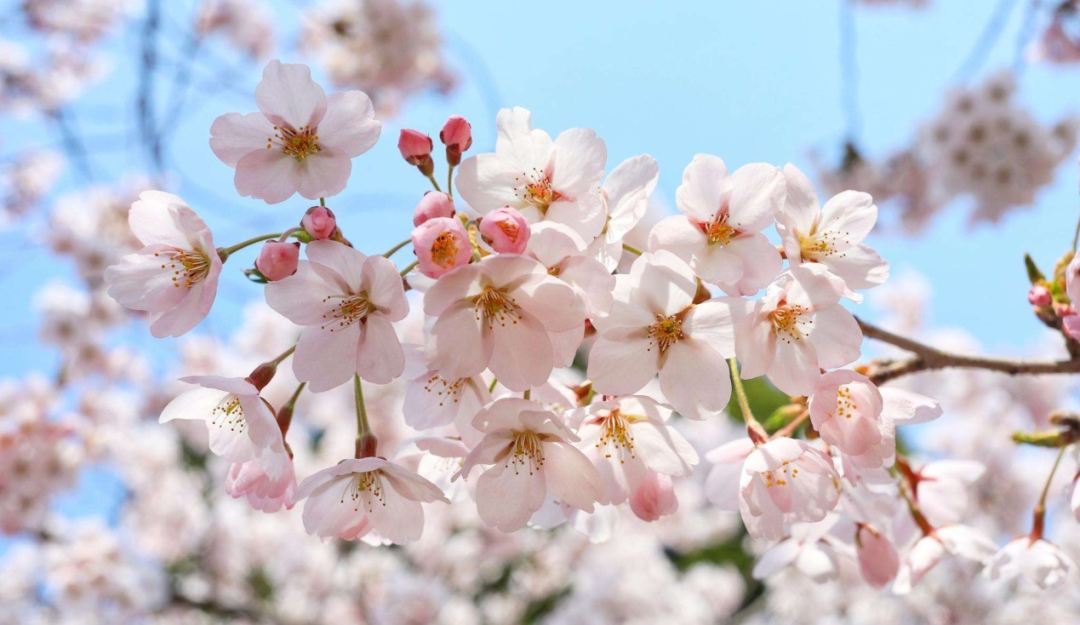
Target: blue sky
748,81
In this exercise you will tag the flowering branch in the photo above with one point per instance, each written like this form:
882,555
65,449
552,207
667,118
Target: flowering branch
927,358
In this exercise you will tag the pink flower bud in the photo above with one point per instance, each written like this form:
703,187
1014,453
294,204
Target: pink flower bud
1063,310
433,204
1039,296
654,498
505,230
441,244
415,147
456,135
278,260
319,222
878,560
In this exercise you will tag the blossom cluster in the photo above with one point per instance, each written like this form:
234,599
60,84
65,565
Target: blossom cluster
522,274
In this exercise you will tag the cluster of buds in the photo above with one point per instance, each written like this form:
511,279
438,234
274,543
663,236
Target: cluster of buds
1052,298
279,257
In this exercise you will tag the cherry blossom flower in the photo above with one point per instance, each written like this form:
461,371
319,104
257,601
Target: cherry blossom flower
265,490
355,497
655,327
347,303
533,454
242,426
858,418
505,230
719,232
431,401
796,330
174,276
1037,560
543,179
301,140
628,437
927,552
878,560
441,245
783,481
625,194
498,314
807,549
831,235
722,483
943,489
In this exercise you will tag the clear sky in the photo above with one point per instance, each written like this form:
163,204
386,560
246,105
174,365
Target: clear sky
748,81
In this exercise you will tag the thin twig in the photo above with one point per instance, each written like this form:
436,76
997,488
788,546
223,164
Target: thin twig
928,358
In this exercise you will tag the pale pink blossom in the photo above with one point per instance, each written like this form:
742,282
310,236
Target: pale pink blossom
241,425
858,418
319,222
719,232
878,560
808,549
784,481
441,245
722,483
928,551
532,452
497,314
832,234
655,327
433,204
505,230
347,303
943,488
175,276
796,329
626,438
265,490
301,140
1037,560
278,259
432,401
543,179
654,497
625,194
358,496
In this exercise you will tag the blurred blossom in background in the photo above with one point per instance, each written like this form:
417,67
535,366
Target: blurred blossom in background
960,119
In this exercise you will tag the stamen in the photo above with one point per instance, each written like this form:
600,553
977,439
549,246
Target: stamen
615,432
444,250
495,306
352,308
789,323
298,144
364,489
535,188
228,413
665,332
445,391
188,267
528,449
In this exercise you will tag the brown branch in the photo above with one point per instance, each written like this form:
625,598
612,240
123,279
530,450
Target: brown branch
926,358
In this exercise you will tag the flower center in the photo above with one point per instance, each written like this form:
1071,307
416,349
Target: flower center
615,431
444,250
495,306
718,231
789,323
780,476
535,188
229,414
510,229
666,331
528,450
353,308
445,391
298,144
845,403
188,267
364,489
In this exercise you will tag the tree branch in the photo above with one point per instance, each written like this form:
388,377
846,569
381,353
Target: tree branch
928,358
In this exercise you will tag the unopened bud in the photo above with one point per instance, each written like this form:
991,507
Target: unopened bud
319,222
263,374
278,260
456,135
433,204
415,148
1040,296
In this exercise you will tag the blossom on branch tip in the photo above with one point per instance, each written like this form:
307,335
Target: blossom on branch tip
278,259
784,481
441,244
300,141
175,276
